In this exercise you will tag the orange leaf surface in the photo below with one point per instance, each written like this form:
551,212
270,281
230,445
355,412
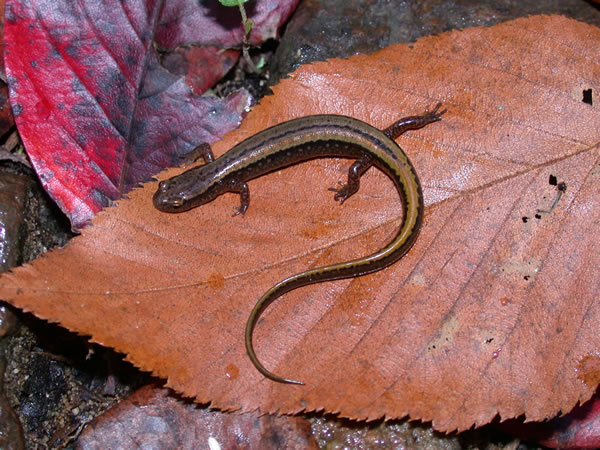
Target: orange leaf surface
496,308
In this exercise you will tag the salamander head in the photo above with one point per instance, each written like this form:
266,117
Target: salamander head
184,192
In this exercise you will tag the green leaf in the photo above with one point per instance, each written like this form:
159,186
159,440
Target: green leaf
249,24
232,2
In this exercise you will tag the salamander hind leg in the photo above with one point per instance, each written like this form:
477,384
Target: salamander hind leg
347,190
244,192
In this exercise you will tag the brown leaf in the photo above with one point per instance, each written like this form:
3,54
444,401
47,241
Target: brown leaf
490,313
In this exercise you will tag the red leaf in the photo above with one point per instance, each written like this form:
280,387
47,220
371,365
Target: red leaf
578,429
202,67
7,119
95,110
212,24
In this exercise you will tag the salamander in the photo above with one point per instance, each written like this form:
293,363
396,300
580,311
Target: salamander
292,142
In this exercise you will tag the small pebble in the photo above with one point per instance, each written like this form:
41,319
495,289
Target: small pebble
8,321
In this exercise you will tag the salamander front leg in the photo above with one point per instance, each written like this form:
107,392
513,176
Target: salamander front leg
345,191
203,151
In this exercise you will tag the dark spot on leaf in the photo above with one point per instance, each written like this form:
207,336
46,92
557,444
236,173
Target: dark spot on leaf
587,96
82,140
9,14
72,51
46,176
17,109
55,53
